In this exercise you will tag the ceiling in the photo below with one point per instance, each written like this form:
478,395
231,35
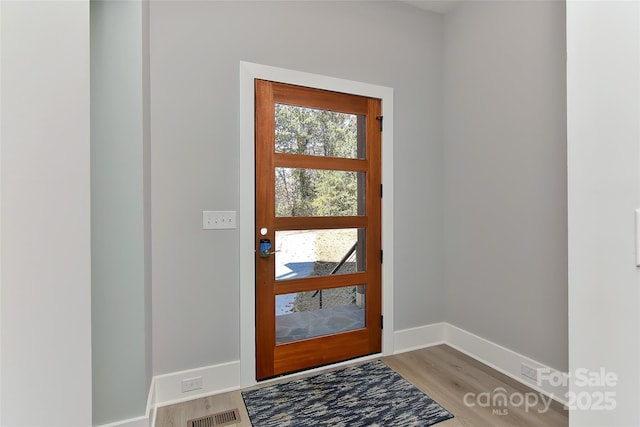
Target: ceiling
439,6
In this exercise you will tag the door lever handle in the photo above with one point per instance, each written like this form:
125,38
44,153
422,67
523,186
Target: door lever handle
267,254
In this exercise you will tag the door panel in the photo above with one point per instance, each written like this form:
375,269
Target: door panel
318,287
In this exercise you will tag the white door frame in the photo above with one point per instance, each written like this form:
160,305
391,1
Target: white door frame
246,221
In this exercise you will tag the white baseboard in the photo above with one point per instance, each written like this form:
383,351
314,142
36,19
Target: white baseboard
166,389
506,361
496,356
151,405
133,422
419,337
215,379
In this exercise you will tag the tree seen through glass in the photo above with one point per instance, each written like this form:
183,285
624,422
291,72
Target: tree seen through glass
315,192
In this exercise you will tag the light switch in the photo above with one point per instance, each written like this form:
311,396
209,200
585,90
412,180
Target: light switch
216,220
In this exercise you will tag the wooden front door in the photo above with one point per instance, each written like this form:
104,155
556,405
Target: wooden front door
318,207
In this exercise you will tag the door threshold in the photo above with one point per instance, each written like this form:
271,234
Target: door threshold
314,371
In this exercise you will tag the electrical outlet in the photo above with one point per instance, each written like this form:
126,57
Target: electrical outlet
529,372
191,384
216,220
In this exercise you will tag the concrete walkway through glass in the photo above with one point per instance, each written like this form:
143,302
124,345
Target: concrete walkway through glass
308,324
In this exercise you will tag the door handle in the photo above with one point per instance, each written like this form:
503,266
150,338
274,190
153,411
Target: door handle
265,248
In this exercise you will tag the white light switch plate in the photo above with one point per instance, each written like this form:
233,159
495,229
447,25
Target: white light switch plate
216,220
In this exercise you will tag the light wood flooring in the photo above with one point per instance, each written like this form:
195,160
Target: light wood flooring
445,374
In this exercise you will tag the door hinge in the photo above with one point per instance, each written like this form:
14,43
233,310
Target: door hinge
380,190
381,322
381,256
379,118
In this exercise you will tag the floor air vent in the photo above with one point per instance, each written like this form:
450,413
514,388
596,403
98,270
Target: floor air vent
216,420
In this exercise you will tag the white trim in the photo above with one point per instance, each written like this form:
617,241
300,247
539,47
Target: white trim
321,369
225,377
491,354
215,379
503,360
1,213
166,390
419,337
246,221
133,422
151,404
1,6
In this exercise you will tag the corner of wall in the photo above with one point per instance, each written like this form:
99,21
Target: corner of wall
491,354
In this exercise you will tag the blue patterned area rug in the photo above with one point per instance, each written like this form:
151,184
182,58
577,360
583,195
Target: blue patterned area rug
369,395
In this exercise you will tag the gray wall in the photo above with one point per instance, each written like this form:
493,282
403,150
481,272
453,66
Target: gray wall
195,52
505,175
196,48
120,282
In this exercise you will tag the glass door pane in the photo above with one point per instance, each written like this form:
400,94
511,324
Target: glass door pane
309,253
317,192
312,314
301,130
